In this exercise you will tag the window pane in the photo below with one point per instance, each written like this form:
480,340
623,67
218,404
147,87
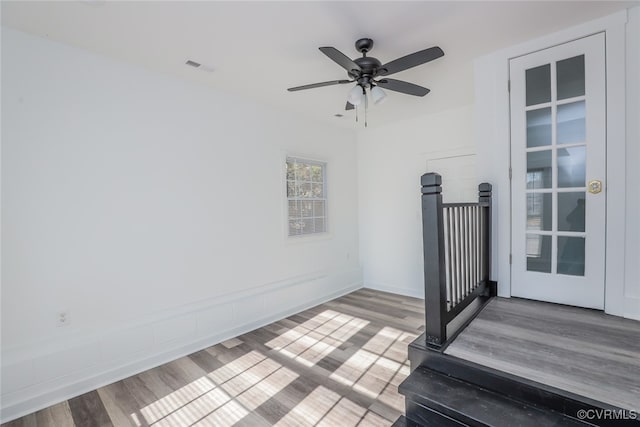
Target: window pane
316,173
538,84
571,255
539,169
317,190
303,189
306,208
290,171
538,253
571,123
571,167
294,227
571,211
291,189
318,208
307,197
294,209
319,225
570,77
539,127
539,211
307,226
303,172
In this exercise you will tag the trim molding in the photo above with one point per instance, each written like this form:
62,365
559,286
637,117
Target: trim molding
33,379
415,293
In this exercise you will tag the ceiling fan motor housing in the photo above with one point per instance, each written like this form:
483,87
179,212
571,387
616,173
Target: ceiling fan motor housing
369,66
364,45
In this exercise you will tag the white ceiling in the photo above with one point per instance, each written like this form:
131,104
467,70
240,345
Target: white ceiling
260,48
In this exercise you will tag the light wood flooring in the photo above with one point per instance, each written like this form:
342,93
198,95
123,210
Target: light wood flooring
337,364
582,351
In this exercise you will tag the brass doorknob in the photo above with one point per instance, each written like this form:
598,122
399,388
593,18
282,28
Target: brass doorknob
594,186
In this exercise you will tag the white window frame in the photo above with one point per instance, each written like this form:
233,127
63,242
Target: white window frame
287,199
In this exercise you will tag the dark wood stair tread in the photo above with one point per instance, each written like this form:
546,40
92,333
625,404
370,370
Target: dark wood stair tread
473,405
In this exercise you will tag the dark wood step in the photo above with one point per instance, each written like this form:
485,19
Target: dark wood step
512,386
436,399
404,422
432,422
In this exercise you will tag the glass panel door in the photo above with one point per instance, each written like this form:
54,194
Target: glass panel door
557,147
556,161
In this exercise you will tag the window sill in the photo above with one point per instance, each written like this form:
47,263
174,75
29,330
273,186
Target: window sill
293,240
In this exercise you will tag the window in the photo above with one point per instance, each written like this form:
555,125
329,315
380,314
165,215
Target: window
306,196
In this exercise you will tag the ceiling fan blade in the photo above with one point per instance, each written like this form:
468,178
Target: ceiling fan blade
403,87
314,85
341,59
349,106
411,60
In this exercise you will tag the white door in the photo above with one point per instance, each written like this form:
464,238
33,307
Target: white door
558,170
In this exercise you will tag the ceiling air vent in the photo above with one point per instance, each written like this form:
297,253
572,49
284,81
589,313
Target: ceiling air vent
193,64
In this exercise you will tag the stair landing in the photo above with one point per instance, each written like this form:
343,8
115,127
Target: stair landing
585,352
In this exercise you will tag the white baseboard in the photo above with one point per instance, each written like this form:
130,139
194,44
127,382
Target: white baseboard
32,381
415,293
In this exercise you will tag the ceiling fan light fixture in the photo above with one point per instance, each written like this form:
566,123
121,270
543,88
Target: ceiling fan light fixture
355,95
378,95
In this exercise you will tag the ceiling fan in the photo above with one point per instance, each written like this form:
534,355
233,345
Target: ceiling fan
369,73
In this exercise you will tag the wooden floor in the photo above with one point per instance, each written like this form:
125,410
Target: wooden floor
337,364
582,351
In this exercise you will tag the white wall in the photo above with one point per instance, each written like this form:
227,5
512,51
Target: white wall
391,160
632,273
623,199
151,209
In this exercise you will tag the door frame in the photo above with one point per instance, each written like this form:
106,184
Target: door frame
492,116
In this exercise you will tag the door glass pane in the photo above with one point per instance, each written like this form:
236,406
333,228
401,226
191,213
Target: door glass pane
539,211
571,166
571,123
539,127
538,253
571,255
570,77
571,211
539,169
538,85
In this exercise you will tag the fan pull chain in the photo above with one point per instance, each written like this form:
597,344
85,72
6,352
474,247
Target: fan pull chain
356,114
366,107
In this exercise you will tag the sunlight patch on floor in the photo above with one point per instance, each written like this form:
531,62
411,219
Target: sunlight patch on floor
311,341
236,389
267,388
345,413
370,369
196,410
227,415
222,397
247,379
171,402
310,410
236,367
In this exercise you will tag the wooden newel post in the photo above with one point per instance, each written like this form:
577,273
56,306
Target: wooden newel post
484,199
435,296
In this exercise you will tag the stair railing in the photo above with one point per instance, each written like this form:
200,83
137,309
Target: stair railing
457,255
